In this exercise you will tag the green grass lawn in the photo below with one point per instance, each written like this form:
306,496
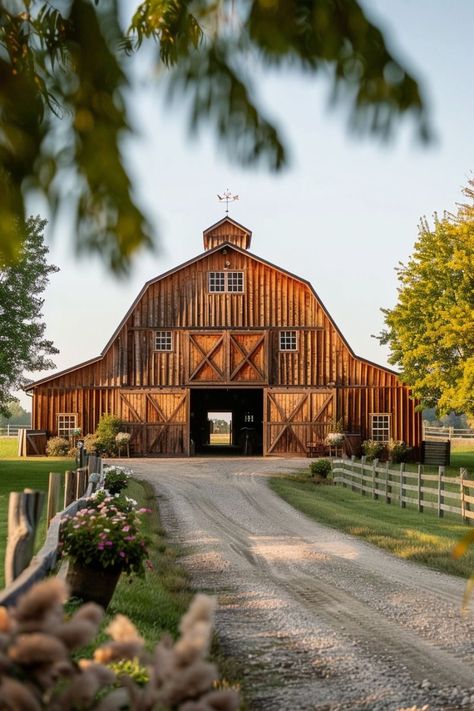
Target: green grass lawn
421,537
18,473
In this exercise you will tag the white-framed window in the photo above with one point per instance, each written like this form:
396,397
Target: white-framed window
380,426
235,281
232,282
67,422
288,341
163,341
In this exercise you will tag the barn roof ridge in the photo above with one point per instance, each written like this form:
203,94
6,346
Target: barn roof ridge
187,263
226,218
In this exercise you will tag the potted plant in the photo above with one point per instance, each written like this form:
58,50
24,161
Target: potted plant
335,439
116,479
122,440
102,541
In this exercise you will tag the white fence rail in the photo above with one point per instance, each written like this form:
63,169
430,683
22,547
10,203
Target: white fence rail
12,430
447,433
401,487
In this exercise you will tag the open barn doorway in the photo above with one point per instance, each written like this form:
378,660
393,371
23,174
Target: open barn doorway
227,421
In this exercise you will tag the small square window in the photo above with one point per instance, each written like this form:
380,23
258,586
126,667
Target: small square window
163,341
235,281
67,422
216,281
288,341
380,427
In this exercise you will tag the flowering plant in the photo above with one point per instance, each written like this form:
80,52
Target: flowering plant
105,537
119,501
334,439
122,438
116,479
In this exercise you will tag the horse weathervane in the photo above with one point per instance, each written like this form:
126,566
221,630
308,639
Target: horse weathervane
227,197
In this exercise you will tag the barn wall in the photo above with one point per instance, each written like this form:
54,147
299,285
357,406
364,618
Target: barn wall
230,339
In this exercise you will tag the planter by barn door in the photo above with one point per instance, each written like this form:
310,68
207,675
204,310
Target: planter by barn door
293,418
157,421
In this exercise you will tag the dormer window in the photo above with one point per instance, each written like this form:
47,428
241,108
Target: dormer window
231,282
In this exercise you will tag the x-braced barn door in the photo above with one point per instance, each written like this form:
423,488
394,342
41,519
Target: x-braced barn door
292,419
231,357
157,421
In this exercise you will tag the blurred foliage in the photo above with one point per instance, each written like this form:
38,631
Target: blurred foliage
430,331
64,75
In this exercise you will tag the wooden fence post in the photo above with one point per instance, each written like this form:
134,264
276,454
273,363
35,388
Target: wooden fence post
441,474
54,488
374,474
362,474
388,486
82,479
24,511
353,487
464,504
402,483
70,487
420,485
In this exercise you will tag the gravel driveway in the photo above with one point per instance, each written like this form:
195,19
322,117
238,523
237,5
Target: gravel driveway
317,618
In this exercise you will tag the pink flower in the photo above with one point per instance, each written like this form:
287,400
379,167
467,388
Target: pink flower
126,529
100,546
122,554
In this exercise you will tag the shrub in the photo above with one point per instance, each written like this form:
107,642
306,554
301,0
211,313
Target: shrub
106,432
57,447
90,444
116,479
373,449
398,451
320,467
43,671
122,439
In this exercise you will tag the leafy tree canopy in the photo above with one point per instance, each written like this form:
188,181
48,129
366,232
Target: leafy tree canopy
64,74
18,415
430,331
22,343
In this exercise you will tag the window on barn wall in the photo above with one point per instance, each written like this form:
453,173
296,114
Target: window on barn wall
288,341
232,282
67,422
235,281
380,427
163,341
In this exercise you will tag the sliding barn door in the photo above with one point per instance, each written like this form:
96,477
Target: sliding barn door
157,420
292,419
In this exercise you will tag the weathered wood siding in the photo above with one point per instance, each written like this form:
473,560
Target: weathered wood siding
228,339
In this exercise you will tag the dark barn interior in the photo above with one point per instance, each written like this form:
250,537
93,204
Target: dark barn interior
246,406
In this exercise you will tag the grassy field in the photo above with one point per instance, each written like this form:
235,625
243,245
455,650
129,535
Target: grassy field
18,473
421,537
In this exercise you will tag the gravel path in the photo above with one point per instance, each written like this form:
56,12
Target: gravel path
319,619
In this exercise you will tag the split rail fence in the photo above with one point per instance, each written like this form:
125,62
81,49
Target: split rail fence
22,569
398,486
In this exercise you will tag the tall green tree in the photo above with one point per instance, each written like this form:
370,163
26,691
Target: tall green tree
23,346
430,331
64,74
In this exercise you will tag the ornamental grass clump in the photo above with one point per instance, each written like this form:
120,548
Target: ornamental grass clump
38,671
105,537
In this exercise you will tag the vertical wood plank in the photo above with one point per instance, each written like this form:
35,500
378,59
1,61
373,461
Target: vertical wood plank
54,489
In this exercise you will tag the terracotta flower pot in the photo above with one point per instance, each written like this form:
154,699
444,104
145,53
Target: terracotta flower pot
92,584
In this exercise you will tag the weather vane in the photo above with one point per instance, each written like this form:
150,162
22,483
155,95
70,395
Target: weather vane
227,197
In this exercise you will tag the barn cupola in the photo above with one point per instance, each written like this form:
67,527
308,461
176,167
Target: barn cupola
227,230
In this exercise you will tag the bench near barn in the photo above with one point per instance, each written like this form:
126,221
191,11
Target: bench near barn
22,569
394,484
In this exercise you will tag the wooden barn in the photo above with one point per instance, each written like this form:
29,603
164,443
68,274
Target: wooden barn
228,332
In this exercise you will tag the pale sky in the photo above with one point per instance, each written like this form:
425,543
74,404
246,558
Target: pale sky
341,215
